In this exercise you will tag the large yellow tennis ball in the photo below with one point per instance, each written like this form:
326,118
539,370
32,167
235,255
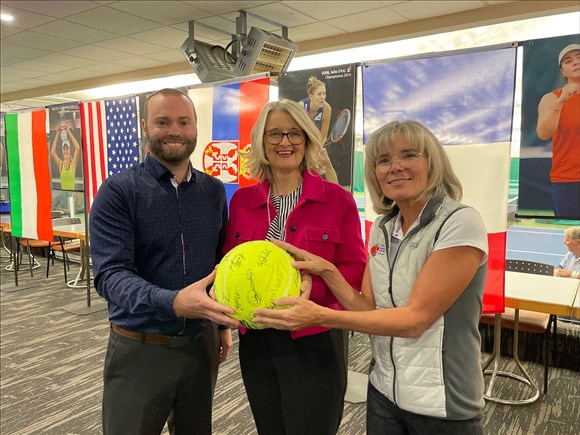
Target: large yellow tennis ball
253,275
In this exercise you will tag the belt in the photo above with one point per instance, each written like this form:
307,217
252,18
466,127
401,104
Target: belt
145,337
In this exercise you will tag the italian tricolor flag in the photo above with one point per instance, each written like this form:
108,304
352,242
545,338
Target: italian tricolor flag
29,175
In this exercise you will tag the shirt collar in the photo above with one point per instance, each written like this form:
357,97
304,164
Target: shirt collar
158,170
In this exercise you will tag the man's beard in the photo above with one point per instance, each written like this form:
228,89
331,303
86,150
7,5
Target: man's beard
172,156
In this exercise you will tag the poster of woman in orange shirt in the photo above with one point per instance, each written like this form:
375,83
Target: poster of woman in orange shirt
559,120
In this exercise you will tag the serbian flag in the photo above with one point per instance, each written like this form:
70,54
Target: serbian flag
29,175
226,114
466,99
110,140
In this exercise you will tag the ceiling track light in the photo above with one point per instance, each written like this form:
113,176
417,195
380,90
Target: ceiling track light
259,51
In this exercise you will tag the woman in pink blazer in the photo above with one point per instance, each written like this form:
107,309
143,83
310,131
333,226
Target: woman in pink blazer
296,381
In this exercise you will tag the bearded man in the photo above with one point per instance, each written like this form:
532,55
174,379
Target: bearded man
157,231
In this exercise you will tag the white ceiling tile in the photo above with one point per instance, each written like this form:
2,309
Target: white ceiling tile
110,68
139,62
72,75
11,73
44,67
63,59
6,30
30,83
167,37
9,60
312,31
95,53
167,56
74,31
332,9
113,20
58,9
164,12
416,10
129,45
281,14
21,52
222,7
43,42
365,20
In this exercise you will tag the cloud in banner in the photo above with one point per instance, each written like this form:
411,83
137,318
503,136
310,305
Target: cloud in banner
463,98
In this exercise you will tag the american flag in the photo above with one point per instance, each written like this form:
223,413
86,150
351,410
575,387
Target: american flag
110,139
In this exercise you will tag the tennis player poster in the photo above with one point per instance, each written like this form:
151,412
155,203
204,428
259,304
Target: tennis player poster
466,99
328,95
65,147
549,179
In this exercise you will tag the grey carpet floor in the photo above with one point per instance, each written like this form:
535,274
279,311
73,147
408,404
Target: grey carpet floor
51,368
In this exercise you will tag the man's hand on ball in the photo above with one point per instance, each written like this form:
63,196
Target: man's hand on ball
301,314
305,260
193,302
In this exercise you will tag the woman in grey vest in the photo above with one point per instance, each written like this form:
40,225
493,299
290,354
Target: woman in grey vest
421,296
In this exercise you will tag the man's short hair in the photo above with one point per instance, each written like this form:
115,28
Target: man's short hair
166,92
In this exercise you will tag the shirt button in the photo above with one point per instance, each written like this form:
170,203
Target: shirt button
292,228
325,237
236,235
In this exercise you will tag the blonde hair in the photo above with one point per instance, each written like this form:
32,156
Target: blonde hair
573,233
258,164
440,177
313,84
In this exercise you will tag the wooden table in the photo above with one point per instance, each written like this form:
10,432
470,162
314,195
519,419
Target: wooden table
540,293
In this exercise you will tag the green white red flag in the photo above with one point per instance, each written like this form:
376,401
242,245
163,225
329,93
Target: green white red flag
29,175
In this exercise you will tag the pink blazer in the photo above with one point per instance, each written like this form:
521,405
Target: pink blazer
325,222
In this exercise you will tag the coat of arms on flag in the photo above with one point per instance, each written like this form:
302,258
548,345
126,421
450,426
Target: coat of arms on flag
221,160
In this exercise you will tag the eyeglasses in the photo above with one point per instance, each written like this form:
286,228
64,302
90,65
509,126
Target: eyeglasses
275,137
406,160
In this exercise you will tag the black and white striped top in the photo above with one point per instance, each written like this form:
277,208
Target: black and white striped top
283,204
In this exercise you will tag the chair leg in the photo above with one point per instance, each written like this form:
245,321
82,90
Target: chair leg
554,339
547,340
29,257
65,265
47,260
65,259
